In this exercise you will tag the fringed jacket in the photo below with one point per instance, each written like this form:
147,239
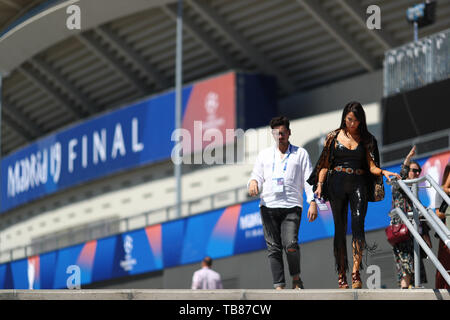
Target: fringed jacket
375,183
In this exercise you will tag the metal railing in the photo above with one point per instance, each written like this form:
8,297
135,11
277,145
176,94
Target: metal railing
104,229
435,223
417,64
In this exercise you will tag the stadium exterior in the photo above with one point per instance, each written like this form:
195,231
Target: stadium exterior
111,210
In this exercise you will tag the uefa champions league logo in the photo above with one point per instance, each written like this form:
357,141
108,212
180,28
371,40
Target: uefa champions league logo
211,103
129,262
211,107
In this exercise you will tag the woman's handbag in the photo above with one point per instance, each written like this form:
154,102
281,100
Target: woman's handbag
326,182
325,188
397,233
443,208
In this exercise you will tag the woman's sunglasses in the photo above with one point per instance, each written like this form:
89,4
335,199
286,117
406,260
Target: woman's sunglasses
415,170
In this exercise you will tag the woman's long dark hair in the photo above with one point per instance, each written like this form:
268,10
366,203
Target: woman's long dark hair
358,111
446,173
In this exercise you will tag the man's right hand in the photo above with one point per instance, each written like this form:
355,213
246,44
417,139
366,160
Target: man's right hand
253,188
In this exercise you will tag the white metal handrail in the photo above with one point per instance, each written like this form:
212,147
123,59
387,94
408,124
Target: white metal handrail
440,228
424,246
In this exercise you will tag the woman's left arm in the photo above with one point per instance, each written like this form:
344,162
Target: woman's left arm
378,171
446,188
446,185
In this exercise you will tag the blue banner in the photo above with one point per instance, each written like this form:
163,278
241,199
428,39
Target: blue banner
135,135
110,143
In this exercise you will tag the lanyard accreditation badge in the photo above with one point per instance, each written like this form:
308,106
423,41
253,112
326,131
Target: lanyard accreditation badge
278,180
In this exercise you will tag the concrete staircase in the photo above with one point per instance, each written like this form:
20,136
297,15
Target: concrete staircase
232,294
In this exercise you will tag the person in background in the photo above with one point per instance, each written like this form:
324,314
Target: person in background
279,174
349,165
404,251
443,251
206,278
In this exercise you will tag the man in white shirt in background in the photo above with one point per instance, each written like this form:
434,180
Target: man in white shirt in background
206,278
279,175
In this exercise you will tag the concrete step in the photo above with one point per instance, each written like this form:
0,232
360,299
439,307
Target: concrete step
237,294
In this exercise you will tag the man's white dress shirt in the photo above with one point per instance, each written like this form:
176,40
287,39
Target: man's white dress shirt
206,278
271,163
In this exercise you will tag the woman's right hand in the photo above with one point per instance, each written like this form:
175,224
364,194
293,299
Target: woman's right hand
318,191
388,175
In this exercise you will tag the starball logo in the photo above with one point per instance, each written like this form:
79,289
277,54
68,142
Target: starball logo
129,262
212,106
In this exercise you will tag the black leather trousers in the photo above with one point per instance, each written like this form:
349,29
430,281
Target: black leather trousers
345,189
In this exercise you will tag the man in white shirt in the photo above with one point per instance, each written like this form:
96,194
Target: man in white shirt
206,278
279,175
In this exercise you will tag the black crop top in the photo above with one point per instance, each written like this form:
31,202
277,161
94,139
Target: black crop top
345,157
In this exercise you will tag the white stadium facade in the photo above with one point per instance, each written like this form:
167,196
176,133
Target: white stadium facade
87,109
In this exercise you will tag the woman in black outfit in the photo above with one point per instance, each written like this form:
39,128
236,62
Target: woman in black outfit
349,168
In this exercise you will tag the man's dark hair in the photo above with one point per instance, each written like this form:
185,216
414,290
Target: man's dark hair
208,261
418,165
279,121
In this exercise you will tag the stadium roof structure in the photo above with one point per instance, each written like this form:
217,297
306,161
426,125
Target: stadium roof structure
125,50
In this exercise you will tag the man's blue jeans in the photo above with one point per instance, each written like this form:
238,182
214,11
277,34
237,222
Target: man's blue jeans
281,234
